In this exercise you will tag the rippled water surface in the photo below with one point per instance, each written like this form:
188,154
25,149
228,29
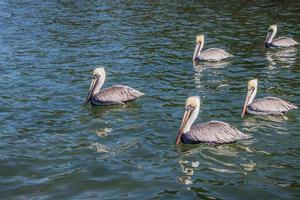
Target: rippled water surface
51,147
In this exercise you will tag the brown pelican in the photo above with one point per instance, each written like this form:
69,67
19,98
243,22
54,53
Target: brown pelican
213,132
212,54
278,42
117,94
264,106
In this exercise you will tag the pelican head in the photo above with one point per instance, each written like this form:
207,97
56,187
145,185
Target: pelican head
97,82
192,106
100,71
199,39
199,46
252,89
271,34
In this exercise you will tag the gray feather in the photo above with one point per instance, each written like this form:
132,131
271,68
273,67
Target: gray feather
213,54
215,132
117,94
270,105
283,42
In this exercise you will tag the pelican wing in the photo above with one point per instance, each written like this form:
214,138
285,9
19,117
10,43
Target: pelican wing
283,42
271,105
214,54
117,94
213,132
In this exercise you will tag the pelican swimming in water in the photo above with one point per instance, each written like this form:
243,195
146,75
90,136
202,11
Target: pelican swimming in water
212,54
278,42
264,106
117,94
213,132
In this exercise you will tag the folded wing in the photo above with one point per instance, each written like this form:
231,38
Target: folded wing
214,54
117,94
214,132
283,42
271,105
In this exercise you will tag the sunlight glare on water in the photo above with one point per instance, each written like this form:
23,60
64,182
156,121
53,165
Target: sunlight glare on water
54,148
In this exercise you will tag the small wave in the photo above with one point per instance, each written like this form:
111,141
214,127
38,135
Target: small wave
100,148
103,132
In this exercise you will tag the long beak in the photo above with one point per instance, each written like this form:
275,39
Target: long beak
196,52
249,93
268,38
88,97
185,118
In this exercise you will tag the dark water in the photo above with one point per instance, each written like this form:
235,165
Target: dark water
53,148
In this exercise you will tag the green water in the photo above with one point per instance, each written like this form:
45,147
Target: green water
53,148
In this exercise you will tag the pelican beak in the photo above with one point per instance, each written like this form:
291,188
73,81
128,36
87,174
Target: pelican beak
249,94
197,49
268,38
88,97
185,118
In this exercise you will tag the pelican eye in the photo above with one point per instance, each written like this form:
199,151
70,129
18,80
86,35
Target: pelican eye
251,88
189,108
96,76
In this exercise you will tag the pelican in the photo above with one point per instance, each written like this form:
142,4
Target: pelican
212,54
117,94
278,42
213,132
264,106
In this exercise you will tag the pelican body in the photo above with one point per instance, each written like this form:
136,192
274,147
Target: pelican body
212,54
278,42
212,132
264,106
117,94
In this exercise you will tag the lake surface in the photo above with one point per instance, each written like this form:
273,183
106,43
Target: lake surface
51,147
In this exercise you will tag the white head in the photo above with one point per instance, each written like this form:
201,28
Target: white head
271,34
199,46
97,82
100,71
192,107
252,90
199,38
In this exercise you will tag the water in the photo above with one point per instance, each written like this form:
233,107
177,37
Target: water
53,148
